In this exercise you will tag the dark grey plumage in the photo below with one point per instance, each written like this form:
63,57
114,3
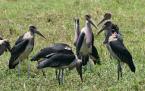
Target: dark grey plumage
55,48
58,56
23,47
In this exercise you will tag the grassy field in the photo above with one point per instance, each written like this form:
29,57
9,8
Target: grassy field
54,18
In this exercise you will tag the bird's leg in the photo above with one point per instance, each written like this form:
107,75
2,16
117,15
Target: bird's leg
28,69
56,73
59,76
119,70
43,73
19,66
62,76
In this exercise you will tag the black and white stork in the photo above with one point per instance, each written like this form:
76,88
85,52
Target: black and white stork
117,49
85,41
22,48
58,56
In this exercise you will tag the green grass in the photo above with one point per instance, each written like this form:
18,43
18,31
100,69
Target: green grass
54,18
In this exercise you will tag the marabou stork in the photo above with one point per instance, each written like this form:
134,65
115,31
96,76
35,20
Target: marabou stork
117,49
58,56
22,48
85,41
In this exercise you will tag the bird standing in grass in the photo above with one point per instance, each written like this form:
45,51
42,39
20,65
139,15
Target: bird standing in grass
58,56
22,48
117,49
85,41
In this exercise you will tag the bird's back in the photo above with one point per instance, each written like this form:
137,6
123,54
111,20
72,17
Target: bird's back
122,53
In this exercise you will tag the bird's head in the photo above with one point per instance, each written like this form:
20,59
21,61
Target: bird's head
107,16
34,30
107,26
76,23
76,20
88,18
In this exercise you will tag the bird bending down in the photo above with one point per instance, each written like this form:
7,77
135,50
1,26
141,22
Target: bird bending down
84,40
58,56
117,49
4,46
22,48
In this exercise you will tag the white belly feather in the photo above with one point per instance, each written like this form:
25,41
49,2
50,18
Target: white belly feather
84,49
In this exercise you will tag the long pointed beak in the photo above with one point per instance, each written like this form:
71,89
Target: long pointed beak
37,32
101,30
93,24
101,21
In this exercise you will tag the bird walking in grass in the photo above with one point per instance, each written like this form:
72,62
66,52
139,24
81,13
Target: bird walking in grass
58,56
22,48
117,49
4,46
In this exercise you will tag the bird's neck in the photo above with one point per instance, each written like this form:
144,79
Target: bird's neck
77,29
28,35
88,25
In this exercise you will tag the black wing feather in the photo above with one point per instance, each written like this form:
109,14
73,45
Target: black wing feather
57,60
122,53
80,42
56,48
16,52
19,40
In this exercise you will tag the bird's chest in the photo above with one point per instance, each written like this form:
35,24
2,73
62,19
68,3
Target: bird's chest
88,34
27,50
111,51
85,50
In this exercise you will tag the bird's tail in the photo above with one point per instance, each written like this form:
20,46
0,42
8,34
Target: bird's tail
132,66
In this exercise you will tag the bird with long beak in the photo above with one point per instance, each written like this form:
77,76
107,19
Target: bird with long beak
85,43
107,17
58,56
117,49
22,48
4,46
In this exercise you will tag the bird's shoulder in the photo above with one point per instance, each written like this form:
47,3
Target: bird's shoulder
20,39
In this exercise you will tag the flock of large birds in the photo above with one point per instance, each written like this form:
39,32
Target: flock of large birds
61,56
